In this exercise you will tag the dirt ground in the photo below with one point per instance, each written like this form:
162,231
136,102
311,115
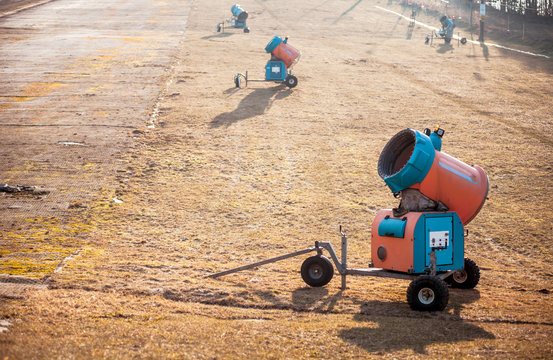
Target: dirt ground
230,176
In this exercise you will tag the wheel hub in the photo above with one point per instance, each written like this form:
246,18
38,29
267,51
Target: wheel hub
426,296
460,276
316,271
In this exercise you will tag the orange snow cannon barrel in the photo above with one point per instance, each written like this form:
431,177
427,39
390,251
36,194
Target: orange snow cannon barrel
280,49
413,160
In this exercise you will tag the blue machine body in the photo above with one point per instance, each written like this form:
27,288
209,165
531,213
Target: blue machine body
275,70
443,232
404,243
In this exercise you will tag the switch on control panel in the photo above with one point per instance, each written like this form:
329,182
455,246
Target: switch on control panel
438,239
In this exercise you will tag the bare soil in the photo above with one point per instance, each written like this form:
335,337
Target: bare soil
231,176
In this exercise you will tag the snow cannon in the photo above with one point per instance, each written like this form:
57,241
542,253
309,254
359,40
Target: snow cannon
447,28
439,195
446,33
238,19
279,67
239,14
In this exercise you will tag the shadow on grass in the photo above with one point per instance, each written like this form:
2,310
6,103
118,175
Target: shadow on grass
347,11
385,333
485,51
410,29
314,299
253,104
445,47
218,35
393,326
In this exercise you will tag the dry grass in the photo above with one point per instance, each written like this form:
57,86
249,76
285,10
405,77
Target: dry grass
109,325
234,176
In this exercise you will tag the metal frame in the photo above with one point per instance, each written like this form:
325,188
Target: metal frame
342,268
433,35
221,26
240,75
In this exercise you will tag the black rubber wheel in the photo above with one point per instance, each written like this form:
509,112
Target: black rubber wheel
428,293
218,27
246,29
291,81
463,41
317,271
467,278
237,81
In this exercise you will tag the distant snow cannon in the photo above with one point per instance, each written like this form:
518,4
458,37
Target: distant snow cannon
240,15
446,33
279,67
447,28
238,19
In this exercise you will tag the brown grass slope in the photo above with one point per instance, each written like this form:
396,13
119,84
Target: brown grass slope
232,176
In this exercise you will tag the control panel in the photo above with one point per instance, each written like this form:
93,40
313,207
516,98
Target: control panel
438,239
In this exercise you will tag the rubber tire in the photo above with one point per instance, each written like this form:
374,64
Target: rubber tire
463,41
218,27
291,81
317,271
237,82
428,285
246,30
467,278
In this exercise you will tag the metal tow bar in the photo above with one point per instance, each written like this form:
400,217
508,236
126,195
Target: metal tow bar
263,262
342,268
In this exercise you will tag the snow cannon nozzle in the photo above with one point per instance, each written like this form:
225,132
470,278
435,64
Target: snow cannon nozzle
413,160
281,50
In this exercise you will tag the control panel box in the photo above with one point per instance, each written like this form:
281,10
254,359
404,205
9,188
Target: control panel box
405,243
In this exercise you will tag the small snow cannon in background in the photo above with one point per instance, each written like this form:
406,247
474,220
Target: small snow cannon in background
238,19
447,28
279,67
446,33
